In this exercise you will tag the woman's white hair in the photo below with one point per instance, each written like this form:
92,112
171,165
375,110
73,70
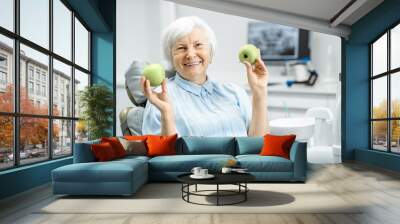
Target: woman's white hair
182,27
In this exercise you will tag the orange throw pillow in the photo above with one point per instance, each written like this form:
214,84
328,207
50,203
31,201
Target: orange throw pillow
275,145
161,145
103,152
116,145
136,137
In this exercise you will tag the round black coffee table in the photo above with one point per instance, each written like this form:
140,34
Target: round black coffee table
238,179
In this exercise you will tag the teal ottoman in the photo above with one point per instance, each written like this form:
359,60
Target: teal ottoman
119,177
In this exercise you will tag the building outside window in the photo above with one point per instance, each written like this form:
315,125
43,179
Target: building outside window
37,75
55,96
30,72
30,87
34,79
3,72
44,78
43,90
3,78
3,61
385,97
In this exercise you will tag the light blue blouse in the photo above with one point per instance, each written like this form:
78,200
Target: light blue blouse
211,109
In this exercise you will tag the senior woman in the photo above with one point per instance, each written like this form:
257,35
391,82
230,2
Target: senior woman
191,103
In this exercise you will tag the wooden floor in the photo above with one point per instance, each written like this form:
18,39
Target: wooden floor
378,188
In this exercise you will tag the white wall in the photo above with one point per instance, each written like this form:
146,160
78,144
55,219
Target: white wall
139,27
138,38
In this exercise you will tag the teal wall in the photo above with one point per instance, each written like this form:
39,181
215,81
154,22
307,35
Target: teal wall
103,63
355,85
99,16
24,178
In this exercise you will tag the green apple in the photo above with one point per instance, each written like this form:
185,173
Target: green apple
249,53
155,73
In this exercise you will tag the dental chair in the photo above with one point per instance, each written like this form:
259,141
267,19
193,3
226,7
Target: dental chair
320,146
131,118
315,128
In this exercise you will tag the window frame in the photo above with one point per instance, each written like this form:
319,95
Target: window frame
388,74
16,114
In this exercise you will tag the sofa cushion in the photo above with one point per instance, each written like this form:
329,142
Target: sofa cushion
277,145
249,145
185,163
132,158
111,171
116,145
136,137
206,145
161,145
134,147
83,152
257,163
103,152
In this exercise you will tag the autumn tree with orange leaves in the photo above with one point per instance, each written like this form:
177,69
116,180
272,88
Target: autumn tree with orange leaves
33,130
380,128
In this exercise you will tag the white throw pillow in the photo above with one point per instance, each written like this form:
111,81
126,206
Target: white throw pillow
134,147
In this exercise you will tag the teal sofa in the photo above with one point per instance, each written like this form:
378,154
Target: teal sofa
125,176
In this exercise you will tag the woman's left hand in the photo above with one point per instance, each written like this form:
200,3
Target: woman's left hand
257,76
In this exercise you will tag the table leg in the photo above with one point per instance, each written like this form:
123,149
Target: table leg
217,194
188,190
182,190
245,191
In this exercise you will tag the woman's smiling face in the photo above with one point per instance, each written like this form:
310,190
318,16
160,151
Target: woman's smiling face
191,56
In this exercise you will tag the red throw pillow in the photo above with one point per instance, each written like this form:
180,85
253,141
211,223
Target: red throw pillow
275,145
116,145
136,137
103,151
161,145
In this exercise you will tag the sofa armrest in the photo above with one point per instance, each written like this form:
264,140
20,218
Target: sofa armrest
83,152
298,155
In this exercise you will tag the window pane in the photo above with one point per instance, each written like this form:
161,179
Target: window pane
6,142
379,97
395,47
62,89
6,74
395,94
34,80
81,131
62,29
81,45
33,139
379,55
7,14
62,137
395,136
35,21
81,81
379,135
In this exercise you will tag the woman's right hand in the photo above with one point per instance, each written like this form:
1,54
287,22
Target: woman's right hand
160,100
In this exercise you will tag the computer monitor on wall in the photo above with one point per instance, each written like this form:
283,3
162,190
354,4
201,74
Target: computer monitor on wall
278,42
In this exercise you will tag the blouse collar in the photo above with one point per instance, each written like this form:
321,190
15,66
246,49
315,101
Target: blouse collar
193,87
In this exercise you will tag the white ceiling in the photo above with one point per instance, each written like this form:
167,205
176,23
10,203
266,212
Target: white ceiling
320,9
315,15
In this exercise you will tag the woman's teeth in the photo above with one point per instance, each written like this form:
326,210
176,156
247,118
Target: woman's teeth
193,63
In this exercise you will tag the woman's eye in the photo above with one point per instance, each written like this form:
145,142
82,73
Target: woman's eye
198,44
